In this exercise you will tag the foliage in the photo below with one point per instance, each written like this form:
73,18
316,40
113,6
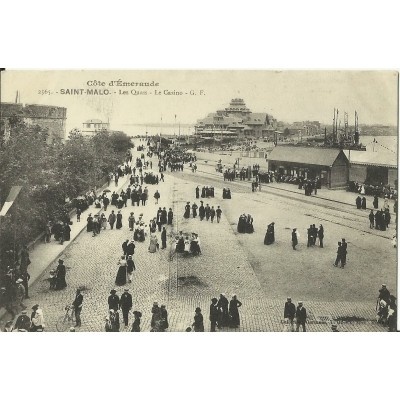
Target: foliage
50,174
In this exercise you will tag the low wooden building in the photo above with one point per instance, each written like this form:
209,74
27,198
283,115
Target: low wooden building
331,166
373,168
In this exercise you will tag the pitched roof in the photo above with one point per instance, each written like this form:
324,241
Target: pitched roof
304,155
378,159
94,121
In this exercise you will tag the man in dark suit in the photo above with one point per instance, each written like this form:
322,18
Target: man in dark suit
77,304
213,313
126,305
289,312
113,301
301,317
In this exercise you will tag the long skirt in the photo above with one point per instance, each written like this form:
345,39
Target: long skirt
121,276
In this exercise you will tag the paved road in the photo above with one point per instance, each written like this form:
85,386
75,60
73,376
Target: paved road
261,276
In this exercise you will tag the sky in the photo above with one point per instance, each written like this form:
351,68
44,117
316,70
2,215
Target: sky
287,95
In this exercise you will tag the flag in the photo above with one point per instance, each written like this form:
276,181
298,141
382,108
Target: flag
10,200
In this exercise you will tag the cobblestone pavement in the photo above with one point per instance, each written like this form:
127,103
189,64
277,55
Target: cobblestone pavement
226,265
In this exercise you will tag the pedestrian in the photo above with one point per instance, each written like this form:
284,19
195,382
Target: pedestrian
136,322
106,202
187,210
170,216
269,237
60,274
212,213
111,219
202,212
156,317
130,267
339,254
163,238
113,300
157,196
119,220
358,202
371,217
112,322
103,221
23,322
234,305
294,238
207,210
223,305
321,236
131,221
19,296
164,318
213,313
289,313
364,203
194,210
89,225
343,253
77,304
37,319
78,214
120,279
126,305
198,324
301,317
130,248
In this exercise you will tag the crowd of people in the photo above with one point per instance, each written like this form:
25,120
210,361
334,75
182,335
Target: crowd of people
245,224
206,192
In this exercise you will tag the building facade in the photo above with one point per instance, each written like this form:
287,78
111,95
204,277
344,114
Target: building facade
51,118
92,126
329,165
235,121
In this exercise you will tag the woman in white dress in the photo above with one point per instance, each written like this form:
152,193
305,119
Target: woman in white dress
153,243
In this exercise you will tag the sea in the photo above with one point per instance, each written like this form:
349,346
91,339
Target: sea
373,143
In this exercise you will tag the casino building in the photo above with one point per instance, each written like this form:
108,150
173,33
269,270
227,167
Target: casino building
235,121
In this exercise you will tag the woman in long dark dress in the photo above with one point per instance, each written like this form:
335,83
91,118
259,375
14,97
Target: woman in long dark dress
187,211
270,234
119,220
198,324
249,224
60,276
136,322
294,238
222,306
121,274
67,232
234,305
89,226
242,224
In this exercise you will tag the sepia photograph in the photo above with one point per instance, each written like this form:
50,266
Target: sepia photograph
198,200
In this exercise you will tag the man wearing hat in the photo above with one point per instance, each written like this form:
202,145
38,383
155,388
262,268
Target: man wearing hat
213,313
113,300
301,317
77,304
130,267
289,313
126,305
130,248
23,322
384,294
